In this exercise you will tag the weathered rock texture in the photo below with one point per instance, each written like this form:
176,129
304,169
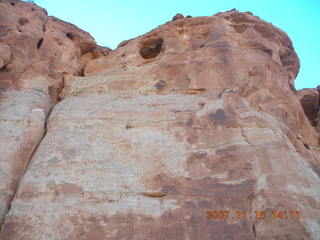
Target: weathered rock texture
199,114
36,53
310,101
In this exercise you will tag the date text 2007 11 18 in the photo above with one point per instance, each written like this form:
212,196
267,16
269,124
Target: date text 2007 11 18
262,214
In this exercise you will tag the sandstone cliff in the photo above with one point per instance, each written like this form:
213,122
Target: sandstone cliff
146,141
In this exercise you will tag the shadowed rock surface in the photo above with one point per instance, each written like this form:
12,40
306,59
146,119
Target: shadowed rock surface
310,101
199,114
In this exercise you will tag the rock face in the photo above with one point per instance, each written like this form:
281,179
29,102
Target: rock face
36,53
310,101
148,140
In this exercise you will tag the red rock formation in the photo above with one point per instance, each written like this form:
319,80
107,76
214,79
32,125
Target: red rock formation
200,114
36,53
310,101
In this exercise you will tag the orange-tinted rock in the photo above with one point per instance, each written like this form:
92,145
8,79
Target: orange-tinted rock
198,115
26,41
36,52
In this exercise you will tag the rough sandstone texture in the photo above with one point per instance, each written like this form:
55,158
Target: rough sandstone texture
310,101
199,114
36,53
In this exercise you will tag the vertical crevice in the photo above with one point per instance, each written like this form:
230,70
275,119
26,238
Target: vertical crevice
34,150
39,43
254,231
15,190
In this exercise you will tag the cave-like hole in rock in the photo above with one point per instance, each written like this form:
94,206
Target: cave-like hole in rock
268,51
150,48
23,21
40,43
70,35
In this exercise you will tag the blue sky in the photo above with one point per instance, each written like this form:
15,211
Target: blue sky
110,22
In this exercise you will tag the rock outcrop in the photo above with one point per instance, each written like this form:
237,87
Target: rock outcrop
147,141
310,101
36,53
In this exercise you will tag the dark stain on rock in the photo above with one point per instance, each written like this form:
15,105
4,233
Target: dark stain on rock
67,188
251,196
86,227
316,169
219,117
170,189
189,122
190,204
23,21
160,85
240,28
